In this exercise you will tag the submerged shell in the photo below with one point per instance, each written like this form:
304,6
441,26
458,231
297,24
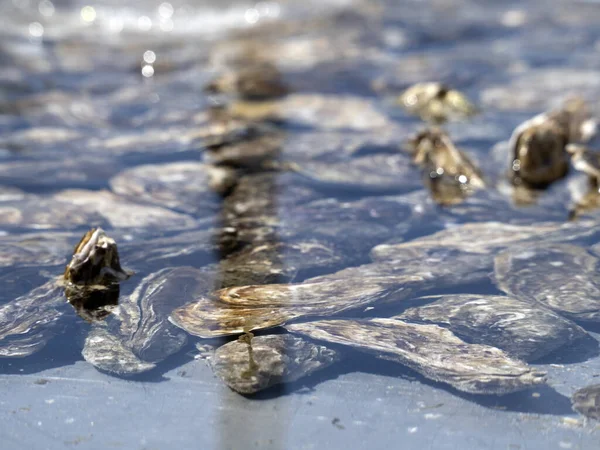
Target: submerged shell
107,352
198,248
587,401
251,364
35,249
432,351
488,237
190,187
140,323
120,212
560,277
30,321
373,173
522,330
242,309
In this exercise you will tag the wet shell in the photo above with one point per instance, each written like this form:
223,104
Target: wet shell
432,351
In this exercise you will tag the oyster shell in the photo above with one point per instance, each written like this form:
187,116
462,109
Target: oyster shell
448,173
587,401
559,277
538,146
95,261
434,352
523,330
253,363
242,309
436,102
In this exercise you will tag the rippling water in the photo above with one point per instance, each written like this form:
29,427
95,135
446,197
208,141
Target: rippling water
105,121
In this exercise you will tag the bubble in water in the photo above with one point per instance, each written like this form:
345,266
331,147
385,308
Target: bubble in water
252,16
149,56
46,8
148,71
144,23
167,25
36,29
88,14
165,10
115,25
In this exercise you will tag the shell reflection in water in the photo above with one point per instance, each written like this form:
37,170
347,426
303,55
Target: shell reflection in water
251,364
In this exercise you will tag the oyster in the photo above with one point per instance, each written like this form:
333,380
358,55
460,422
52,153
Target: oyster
538,146
558,276
95,261
254,363
434,352
522,329
587,401
449,174
436,102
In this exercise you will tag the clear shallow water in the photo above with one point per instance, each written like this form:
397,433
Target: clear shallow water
79,107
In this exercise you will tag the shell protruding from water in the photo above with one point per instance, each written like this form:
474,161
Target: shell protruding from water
95,261
436,102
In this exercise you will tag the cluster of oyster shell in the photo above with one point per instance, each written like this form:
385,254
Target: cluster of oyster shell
539,149
302,281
